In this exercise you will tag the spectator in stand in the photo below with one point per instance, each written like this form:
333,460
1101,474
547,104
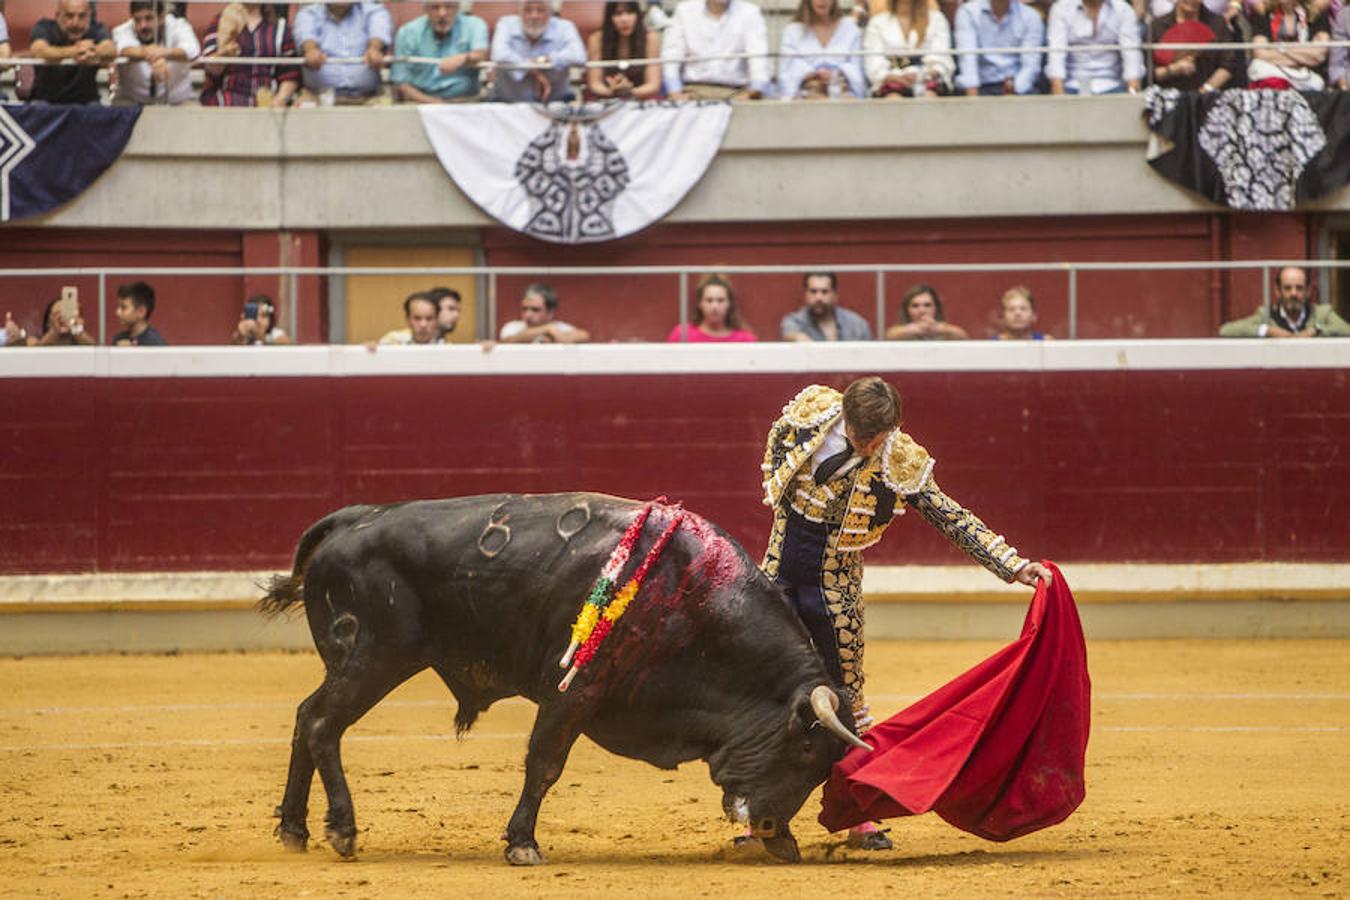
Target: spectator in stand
343,30
909,51
73,35
448,303
818,30
258,324
821,318
4,42
1301,68
13,335
702,28
458,39
715,319
135,306
1338,65
1017,317
264,32
999,23
419,311
1294,314
157,49
1075,23
923,319
535,36
57,332
623,36
1188,70
538,322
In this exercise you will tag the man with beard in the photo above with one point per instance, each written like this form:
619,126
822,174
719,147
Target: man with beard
821,318
459,40
1293,315
448,303
75,36
157,47
535,37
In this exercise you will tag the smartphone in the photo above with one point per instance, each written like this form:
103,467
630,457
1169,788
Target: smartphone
70,303
250,310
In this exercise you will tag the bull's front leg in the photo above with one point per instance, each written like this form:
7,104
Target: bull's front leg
555,731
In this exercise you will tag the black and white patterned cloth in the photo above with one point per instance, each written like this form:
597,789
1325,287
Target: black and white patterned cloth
576,174
1251,150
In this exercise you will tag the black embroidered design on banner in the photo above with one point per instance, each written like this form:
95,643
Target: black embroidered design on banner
572,173
1261,141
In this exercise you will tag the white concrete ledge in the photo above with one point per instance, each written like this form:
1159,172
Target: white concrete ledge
660,359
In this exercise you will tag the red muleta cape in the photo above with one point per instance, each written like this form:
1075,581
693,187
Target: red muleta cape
997,752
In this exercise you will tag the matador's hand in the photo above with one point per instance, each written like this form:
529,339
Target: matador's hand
1031,571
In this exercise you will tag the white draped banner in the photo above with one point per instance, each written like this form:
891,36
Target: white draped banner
572,175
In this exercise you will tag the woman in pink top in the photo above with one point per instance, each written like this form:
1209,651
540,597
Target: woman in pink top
715,320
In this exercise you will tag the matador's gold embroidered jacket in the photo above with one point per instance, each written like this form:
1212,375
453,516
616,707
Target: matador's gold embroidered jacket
857,506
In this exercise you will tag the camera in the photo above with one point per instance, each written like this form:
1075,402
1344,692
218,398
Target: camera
251,310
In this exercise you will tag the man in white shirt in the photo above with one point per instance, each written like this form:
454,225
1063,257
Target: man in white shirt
702,28
1086,22
538,322
157,49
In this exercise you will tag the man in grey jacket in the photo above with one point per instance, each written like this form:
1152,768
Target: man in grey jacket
821,318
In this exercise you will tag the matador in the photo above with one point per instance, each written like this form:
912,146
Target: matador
837,469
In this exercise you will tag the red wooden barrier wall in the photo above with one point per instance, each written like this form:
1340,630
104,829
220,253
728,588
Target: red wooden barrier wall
127,474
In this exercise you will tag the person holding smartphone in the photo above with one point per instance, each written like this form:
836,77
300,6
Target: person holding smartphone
62,325
257,324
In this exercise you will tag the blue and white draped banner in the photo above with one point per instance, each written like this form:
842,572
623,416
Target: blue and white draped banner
50,154
576,175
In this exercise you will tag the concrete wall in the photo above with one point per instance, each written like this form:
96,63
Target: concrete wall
373,168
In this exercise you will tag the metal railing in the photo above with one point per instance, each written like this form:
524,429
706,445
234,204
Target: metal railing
488,277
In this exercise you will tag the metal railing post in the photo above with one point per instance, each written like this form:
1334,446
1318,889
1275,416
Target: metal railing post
102,307
293,307
684,307
489,319
1073,301
881,304
1265,291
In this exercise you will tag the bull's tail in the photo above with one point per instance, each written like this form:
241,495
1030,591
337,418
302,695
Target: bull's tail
285,591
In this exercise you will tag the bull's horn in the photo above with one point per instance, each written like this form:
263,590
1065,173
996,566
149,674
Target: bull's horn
824,704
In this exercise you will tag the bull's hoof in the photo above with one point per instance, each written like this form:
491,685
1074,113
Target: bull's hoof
525,855
343,841
785,848
295,841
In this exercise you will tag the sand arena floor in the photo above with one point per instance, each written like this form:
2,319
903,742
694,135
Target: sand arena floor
1215,768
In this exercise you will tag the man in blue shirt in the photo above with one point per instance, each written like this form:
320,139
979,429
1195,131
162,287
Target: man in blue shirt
458,40
344,30
998,23
535,36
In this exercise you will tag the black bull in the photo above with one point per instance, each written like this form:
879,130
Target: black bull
709,662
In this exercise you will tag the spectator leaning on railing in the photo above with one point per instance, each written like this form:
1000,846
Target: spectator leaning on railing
71,35
1338,64
922,318
998,23
909,49
623,35
818,30
1076,23
1190,70
820,317
535,36
1290,21
135,306
343,30
1292,315
458,39
156,49
263,32
707,28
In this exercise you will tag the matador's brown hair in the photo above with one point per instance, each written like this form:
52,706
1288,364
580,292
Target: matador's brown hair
871,406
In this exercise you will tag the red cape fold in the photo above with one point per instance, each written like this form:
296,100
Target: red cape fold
997,752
